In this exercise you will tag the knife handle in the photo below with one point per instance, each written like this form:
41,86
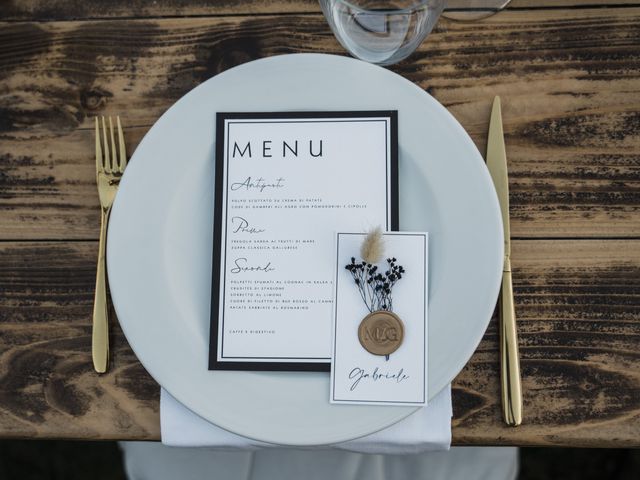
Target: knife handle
510,359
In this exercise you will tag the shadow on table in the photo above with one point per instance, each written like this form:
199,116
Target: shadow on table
579,464
60,460
53,460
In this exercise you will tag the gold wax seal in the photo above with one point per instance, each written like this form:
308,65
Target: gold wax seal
381,332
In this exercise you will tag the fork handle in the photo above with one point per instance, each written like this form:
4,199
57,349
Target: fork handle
510,371
100,335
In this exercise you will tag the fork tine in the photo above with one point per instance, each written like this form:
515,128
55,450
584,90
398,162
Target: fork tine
98,148
114,153
105,159
122,151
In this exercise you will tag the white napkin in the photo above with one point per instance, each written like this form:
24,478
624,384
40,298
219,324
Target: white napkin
428,429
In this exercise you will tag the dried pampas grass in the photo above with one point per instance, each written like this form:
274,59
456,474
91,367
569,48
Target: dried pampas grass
372,248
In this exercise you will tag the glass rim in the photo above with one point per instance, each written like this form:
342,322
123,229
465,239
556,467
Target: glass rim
417,4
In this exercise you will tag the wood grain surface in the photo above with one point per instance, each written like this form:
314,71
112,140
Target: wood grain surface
569,80
569,76
47,10
579,320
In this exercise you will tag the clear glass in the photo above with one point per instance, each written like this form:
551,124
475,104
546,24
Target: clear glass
382,32
470,10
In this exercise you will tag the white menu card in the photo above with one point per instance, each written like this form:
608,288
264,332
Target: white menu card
285,184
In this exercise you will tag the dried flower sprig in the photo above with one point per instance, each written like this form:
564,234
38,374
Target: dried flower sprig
374,286
372,248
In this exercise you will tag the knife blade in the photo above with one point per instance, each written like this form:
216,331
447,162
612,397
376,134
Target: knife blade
509,356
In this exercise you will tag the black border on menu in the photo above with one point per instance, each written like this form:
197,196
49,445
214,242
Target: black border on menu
221,143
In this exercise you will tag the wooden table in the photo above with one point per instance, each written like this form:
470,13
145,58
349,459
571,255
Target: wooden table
569,76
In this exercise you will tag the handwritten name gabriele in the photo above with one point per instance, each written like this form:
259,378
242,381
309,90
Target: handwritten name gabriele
267,148
359,374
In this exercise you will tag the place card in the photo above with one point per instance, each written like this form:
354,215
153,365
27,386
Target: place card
285,184
387,316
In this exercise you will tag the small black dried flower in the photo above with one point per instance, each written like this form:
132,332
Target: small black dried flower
375,287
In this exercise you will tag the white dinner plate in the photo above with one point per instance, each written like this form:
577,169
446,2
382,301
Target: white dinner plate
161,229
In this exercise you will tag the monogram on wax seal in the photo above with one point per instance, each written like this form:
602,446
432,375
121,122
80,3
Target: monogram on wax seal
381,332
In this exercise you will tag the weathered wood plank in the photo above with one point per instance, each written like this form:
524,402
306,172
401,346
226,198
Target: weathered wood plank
93,9
48,388
79,9
570,82
48,189
578,304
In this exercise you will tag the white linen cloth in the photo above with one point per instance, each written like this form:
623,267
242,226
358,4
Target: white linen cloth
428,429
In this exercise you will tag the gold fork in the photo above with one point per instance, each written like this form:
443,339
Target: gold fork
109,169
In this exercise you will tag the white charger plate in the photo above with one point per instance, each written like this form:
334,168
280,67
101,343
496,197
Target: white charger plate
160,244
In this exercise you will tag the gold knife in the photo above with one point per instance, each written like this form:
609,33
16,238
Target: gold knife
509,357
